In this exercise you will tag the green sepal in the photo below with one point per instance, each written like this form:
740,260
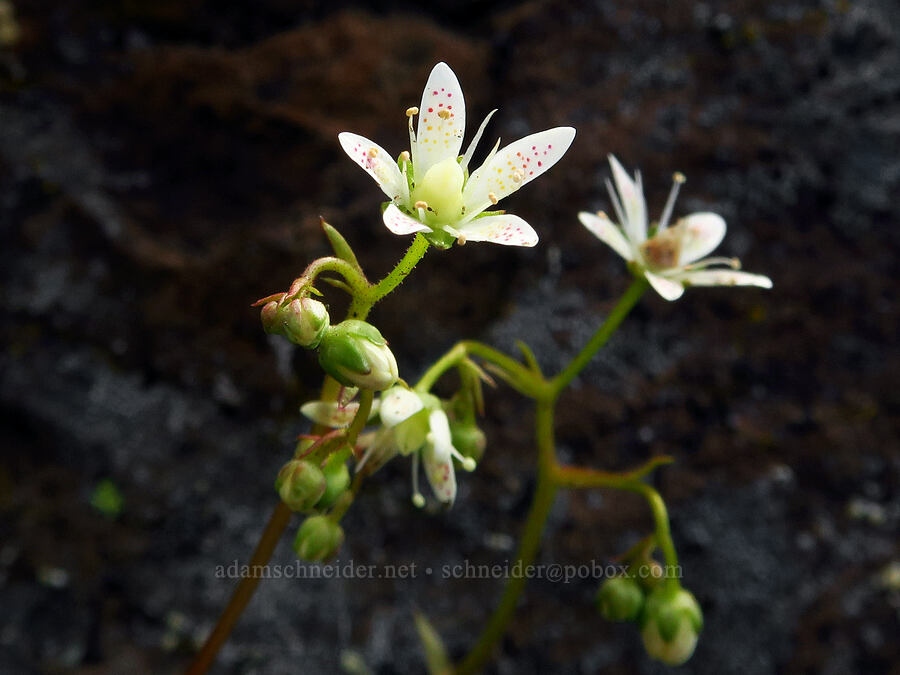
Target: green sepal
341,248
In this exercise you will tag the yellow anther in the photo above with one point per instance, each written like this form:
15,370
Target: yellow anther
461,240
678,177
602,214
422,205
493,198
444,114
404,156
373,152
412,111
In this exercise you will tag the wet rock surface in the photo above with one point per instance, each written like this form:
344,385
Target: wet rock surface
164,165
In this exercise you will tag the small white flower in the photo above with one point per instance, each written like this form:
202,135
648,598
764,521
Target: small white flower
415,424
671,257
430,188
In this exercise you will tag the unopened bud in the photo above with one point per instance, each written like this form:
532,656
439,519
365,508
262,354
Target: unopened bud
305,322
302,321
319,538
337,478
468,439
300,484
672,621
620,599
356,355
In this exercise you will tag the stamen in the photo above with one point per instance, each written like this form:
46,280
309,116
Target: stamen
373,152
444,114
518,176
602,214
733,263
467,462
422,205
677,179
493,198
461,240
418,499
412,111
404,156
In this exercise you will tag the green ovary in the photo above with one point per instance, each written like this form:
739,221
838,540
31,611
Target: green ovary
441,189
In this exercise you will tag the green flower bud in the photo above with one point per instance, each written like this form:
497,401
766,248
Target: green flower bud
337,478
620,599
671,623
302,321
318,539
468,439
356,355
300,484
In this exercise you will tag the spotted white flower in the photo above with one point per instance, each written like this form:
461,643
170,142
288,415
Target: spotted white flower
415,424
430,188
669,257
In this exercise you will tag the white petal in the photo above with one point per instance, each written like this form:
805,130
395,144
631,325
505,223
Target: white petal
438,458
607,232
377,162
632,197
400,223
398,404
514,166
329,413
668,288
725,278
700,234
505,229
438,139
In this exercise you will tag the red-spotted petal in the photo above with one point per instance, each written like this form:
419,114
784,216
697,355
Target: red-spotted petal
437,457
400,223
505,229
514,166
442,120
377,163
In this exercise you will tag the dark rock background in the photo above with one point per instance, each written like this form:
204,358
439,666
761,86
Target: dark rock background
164,163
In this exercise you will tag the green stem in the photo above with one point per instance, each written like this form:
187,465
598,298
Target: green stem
355,279
577,477
604,332
402,269
528,546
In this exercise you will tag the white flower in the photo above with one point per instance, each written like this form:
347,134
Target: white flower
414,423
430,188
671,257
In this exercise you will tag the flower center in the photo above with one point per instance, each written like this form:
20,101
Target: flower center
441,189
661,252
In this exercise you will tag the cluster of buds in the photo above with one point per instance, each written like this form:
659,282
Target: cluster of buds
668,616
353,352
